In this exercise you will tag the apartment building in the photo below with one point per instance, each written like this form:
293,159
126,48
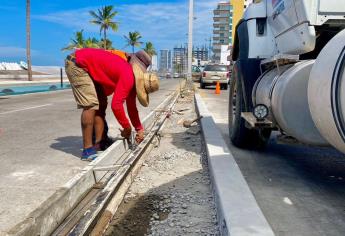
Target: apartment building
165,60
222,28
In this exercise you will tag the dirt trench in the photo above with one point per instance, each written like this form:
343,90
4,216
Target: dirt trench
172,194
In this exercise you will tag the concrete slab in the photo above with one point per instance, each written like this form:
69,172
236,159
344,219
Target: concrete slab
238,211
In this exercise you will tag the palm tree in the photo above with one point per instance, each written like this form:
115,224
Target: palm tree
28,40
108,43
104,18
91,43
77,42
133,39
149,49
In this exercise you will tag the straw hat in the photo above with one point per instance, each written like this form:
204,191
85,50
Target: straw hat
141,58
145,83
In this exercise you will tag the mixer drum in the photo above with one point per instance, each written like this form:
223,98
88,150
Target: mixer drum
326,92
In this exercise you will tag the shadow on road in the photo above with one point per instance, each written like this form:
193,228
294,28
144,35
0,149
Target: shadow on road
69,144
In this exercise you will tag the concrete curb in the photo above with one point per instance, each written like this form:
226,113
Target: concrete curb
46,218
237,209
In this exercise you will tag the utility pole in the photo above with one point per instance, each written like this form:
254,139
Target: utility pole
28,40
190,40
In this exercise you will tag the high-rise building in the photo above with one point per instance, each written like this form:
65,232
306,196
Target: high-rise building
180,59
165,60
154,66
200,53
222,28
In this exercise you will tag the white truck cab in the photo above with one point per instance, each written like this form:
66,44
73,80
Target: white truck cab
288,73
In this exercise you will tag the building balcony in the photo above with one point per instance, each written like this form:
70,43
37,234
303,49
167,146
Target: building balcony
221,18
221,28
218,42
218,30
223,8
224,15
224,38
218,23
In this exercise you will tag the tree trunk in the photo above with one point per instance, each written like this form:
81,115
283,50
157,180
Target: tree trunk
28,39
105,39
133,48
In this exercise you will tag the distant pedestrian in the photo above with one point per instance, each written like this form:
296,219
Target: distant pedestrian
95,74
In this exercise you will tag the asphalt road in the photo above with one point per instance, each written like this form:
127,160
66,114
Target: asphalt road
40,146
300,189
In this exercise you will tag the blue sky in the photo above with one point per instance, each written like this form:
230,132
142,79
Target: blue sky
54,22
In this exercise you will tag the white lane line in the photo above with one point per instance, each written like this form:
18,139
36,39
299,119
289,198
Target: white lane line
24,109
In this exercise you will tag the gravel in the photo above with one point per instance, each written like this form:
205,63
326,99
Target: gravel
171,195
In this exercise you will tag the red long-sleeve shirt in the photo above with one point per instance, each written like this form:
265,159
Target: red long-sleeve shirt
115,75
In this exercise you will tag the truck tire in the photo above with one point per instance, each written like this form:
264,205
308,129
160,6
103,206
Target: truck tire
240,135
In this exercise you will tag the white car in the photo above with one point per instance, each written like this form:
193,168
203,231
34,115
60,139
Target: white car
213,74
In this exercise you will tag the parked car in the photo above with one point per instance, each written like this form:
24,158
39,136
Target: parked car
176,75
196,74
214,73
168,75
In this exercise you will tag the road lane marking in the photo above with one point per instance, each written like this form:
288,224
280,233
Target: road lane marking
24,109
288,201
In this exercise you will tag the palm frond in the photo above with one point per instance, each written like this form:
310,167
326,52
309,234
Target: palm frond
95,15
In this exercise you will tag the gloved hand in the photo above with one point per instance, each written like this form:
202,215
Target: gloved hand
139,137
126,133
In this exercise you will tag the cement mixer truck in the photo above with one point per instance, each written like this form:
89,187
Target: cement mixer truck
289,73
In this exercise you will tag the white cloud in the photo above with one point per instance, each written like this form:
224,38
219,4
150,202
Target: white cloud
11,51
163,23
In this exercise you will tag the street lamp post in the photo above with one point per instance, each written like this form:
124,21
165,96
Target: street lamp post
190,40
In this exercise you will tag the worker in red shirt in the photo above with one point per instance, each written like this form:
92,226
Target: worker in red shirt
95,74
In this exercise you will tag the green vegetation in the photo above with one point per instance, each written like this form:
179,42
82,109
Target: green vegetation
80,42
104,17
133,39
149,49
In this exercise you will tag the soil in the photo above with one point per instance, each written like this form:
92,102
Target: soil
172,194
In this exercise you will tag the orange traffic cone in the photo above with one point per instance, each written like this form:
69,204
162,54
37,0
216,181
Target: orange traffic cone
218,88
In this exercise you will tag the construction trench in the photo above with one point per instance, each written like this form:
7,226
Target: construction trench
159,187
171,195
167,191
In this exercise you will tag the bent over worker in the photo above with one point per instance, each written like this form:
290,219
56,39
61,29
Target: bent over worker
95,74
